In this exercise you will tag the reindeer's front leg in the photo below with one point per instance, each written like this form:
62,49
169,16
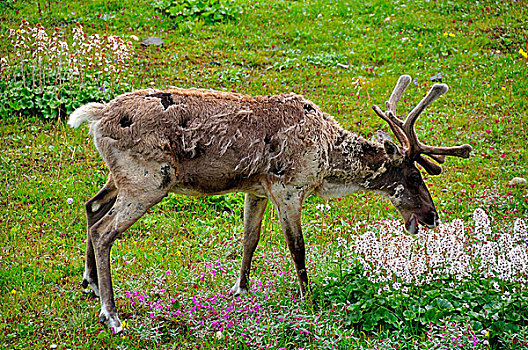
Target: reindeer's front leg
254,208
128,208
289,205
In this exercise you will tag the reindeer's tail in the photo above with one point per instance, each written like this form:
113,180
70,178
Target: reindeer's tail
88,113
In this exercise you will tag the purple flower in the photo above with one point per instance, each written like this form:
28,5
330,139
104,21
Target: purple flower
69,201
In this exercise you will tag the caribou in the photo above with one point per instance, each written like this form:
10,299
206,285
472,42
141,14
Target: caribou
279,148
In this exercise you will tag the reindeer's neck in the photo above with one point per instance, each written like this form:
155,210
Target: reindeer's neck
354,164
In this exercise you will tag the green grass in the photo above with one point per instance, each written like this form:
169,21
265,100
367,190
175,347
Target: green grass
274,47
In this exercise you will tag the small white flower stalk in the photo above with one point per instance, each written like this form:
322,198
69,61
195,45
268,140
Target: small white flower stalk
452,251
50,60
323,207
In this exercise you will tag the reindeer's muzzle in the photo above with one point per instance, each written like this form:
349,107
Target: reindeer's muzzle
430,220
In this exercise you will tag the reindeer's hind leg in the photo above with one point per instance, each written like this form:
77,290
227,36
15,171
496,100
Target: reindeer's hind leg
96,208
254,208
132,202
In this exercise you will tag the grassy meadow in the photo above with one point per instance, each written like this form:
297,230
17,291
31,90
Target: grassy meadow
462,285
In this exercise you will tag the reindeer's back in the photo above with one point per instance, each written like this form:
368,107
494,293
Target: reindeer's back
203,130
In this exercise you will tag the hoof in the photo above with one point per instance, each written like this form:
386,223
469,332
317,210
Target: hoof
90,286
236,290
111,321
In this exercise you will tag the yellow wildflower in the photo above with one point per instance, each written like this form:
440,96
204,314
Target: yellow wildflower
419,44
451,34
523,53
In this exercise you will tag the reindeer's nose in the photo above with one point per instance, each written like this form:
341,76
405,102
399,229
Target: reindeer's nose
432,219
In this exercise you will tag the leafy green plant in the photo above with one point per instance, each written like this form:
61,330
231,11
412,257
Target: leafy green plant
209,11
512,340
368,306
48,101
403,281
46,74
448,334
326,59
229,77
323,60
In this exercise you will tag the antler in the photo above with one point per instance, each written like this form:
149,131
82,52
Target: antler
405,133
390,117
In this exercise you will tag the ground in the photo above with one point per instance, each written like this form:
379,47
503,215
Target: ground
173,269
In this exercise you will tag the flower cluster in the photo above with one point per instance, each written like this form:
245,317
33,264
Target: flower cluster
38,56
449,334
451,251
255,320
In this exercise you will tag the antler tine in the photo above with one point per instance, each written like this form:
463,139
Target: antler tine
438,154
395,123
408,126
461,151
429,166
397,93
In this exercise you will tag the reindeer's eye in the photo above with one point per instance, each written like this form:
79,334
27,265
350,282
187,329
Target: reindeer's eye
415,178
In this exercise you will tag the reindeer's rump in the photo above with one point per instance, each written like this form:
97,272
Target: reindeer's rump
209,133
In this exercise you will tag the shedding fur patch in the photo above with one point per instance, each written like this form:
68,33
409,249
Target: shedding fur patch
165,98
95,207
165,176
125,121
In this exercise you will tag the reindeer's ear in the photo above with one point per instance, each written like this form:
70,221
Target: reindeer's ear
381,136
392,150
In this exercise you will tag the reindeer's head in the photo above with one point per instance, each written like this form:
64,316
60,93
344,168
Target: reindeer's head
403,183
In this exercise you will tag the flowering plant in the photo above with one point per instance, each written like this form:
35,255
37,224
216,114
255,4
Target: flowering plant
449,334
50,75
466,272
452,251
